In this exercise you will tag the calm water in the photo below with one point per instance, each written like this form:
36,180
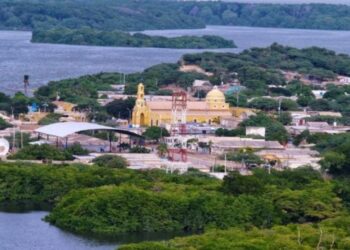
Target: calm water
19,231
45,62
27,231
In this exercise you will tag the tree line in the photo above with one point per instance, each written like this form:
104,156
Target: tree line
156,14
108,201
87,36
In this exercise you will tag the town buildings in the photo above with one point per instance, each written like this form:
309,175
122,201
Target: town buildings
157,113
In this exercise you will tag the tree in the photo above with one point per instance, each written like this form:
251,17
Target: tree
42,152
4,124
320,105
236,184
285,118
121,108
287,104
162,149
20,103
266,104
155,133
334,162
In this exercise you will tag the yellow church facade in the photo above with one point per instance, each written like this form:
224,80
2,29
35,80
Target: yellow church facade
156,113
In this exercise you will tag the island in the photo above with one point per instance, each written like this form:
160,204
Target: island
123,39
100,23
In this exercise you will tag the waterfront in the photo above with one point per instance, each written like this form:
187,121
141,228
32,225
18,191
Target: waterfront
28,231
45,62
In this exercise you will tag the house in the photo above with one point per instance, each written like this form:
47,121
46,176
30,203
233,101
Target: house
318,127
204,85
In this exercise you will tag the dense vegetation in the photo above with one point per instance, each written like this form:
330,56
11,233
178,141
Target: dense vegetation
107,201
258,64
122,39
330,234
155,14
48,152
256,69
41,183
101,22
100,15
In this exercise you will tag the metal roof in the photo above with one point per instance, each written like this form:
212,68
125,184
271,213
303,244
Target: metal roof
64,129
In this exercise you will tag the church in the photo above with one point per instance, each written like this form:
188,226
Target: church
156,113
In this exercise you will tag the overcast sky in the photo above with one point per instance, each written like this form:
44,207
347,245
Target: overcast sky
292,1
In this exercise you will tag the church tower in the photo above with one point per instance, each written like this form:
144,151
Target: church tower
141,112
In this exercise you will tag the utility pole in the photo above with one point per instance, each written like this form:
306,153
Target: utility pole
279,106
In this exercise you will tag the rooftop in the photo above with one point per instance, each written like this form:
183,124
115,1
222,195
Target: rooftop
64,129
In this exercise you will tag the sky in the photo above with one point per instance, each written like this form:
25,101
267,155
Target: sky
293,1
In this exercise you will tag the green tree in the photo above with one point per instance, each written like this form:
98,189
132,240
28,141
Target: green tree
155,133
334,162
285,118
4,124
236,184
121,108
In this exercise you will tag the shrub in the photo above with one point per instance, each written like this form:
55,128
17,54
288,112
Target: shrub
139,150
42,152
77,149
110,161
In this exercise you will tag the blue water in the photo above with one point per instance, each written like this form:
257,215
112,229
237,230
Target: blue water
45,62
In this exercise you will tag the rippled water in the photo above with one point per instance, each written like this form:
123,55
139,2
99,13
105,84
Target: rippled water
45,62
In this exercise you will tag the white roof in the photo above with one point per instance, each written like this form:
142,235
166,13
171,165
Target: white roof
201,83
63,129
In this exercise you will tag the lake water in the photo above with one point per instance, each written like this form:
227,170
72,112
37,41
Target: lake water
45,62
27,231
23,230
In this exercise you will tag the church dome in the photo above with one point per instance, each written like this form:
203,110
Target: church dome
215,96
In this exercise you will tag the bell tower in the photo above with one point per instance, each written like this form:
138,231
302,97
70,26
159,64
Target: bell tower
141,112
